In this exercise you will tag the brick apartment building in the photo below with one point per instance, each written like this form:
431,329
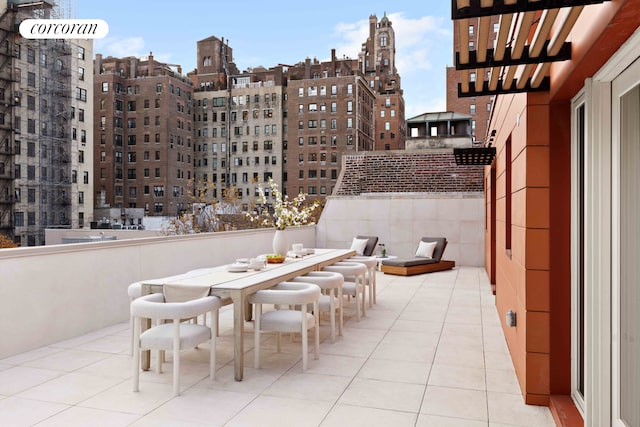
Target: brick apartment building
293,123
143,132
288,123
478,106
330,112
238,119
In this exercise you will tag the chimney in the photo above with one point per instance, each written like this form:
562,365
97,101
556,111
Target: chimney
150,66
98,65
307,68
133,67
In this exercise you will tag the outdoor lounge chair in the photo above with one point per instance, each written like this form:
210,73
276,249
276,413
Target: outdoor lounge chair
421,262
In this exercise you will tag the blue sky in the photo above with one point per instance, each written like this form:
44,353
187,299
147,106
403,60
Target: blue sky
268,33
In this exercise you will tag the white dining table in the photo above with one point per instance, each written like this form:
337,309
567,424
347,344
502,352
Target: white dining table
237,286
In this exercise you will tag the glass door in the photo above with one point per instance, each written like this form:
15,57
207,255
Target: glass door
625,334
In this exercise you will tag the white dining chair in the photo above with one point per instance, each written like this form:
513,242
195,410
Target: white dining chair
134,291
372,265
287,319
330,301
175,336
354,274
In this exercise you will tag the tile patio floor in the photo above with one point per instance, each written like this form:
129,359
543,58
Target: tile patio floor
430,353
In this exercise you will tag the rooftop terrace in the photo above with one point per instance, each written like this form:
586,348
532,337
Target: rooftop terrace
430,353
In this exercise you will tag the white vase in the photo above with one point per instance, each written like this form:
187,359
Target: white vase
280,242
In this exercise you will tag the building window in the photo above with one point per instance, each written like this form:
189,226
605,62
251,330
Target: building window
80,52
18,219
508,172
472,108
471,30
578,271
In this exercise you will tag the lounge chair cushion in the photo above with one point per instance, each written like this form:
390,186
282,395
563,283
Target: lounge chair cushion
425,249
359,245
409,262
440,246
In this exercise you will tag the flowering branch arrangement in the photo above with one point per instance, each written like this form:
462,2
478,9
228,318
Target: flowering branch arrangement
286,212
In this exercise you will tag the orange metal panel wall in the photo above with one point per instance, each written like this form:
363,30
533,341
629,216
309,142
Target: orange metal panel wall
516,272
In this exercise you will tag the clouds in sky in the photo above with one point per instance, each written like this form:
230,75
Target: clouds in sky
120,47
423,48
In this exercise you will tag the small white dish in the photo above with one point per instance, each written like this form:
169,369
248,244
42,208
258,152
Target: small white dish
237,267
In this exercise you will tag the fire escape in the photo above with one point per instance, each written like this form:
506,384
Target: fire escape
7,137
55,114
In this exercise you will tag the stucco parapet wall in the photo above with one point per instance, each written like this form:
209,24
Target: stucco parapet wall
413,195
401,171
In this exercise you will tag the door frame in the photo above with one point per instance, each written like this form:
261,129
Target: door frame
600,192
621,85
